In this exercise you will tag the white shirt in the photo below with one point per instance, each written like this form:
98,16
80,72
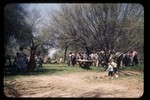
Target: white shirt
110,68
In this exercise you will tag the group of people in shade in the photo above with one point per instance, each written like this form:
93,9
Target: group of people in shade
98,59
102,58
114,61
122,59
21,61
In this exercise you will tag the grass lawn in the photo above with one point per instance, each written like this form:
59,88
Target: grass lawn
57,69
50,69
140,67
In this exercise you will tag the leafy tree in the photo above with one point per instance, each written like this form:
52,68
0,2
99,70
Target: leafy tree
14,24
114,27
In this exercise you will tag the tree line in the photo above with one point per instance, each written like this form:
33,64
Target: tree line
89,27
116,27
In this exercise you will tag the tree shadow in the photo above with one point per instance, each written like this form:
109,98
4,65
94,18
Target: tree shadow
98,93
11,91
86,67
40,71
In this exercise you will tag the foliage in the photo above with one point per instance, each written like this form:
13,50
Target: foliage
93,27
75,27
14,24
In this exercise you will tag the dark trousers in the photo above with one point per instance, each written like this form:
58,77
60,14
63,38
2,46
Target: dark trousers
110,73
115,70
135,60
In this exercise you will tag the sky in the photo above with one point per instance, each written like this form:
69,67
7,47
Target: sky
52,51
43,7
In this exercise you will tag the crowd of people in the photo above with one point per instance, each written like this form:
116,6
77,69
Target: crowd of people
127,59
112,63
22,61
102,58
73,58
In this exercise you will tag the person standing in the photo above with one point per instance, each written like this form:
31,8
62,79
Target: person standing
70,58
114,68
21,63
79,57
73,59
110,70
135,59
131,58
60,60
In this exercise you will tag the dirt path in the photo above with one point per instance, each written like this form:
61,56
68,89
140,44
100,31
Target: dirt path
84,84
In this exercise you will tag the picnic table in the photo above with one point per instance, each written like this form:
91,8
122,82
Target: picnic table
85,63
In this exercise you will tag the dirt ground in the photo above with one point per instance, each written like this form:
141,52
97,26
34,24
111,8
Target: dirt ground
81,84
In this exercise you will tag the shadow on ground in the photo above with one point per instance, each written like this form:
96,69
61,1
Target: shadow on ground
40,71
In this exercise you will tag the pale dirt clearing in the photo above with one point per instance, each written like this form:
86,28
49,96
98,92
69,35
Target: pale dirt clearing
80,84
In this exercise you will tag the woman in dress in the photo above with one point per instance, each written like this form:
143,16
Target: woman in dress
21,63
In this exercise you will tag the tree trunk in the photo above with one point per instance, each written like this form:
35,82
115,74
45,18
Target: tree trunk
88,51
66,48
32,63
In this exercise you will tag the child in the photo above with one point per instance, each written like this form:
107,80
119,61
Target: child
110,69
114,68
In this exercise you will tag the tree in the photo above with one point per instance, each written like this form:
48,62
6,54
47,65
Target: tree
22,27
14,24
95,27
42,38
